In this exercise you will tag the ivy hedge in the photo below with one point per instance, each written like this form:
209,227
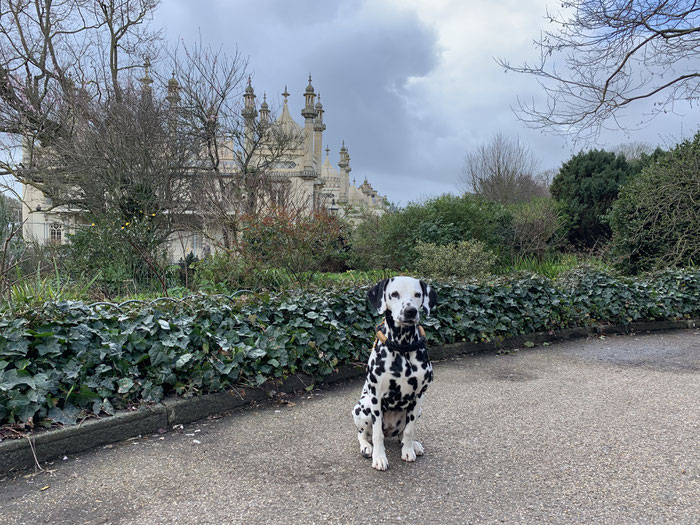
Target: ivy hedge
68,360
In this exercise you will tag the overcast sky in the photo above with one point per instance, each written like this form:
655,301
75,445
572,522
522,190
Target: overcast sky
410,85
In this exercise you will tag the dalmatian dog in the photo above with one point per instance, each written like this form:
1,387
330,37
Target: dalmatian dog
398,370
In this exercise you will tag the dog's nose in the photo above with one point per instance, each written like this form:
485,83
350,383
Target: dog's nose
410,312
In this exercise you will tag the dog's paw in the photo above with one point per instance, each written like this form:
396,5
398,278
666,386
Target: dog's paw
366,450
380,462
408,452
418,448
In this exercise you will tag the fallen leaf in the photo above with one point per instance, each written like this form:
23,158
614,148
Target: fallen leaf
44,488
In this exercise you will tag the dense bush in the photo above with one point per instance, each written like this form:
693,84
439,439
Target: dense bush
121,256
538,227
367,251
587,185
656,220
68,359
464,260
297,243
392,239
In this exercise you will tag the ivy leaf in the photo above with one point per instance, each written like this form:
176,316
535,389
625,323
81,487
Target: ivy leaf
11,378
67,416
182,361
125,383
256,353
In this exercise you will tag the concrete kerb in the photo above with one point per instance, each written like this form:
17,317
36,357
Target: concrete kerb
17,454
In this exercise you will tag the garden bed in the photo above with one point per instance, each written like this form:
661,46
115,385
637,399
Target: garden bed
69,360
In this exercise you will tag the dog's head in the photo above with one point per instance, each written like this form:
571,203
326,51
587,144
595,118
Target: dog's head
403,297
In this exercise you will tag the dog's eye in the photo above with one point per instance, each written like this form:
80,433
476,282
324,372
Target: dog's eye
417,294
395,295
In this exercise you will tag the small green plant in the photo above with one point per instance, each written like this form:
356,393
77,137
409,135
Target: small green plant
464,259
554,264
32,292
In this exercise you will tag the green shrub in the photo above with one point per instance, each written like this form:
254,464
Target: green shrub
68,360
538,227
219,272
656,222
587,185
296,243
463,260
392,239
367,250
116,255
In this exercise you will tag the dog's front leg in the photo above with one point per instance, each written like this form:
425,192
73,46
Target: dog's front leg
379,460
410,447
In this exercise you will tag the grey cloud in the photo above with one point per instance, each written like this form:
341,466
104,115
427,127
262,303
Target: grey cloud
406,138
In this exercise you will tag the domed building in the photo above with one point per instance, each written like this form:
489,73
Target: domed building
313,180
298,174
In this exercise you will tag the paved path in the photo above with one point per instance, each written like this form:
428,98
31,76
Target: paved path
597,431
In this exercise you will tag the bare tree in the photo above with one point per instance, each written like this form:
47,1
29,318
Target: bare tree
502,170
240,154
11,251
49,46
63,65
633,151
604,55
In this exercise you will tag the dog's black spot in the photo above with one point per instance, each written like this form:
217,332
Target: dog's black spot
413,381
357,411
374,401
396,366
367,411
376,413
379,367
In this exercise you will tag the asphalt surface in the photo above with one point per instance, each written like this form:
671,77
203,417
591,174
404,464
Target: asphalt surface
604,430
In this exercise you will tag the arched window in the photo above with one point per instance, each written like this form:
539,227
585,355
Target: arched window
55,232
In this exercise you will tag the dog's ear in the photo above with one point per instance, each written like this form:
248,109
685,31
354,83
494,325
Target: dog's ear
429,297
376,296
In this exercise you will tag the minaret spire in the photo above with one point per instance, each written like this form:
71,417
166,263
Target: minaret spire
264,109
309,113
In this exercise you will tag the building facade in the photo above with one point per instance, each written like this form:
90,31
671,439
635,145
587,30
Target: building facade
313,180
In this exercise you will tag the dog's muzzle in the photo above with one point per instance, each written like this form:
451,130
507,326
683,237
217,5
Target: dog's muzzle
410,315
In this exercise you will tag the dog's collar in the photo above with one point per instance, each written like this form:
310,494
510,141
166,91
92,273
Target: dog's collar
403,348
